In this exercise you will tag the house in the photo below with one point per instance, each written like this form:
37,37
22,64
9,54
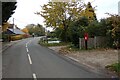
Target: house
12,34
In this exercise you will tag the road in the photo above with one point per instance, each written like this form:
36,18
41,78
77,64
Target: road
27,59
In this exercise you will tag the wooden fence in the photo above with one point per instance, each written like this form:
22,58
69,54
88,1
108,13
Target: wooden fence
95,42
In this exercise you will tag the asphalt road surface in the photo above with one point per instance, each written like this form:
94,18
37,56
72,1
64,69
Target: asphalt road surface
27,59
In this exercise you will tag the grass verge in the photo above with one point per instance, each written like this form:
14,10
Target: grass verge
114,67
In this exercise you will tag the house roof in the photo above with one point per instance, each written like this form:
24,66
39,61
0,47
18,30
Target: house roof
16,31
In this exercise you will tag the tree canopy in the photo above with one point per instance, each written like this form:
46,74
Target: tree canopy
89,12
60,14
38,29
7,10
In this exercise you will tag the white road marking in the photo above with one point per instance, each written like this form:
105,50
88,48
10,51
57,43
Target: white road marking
26,45
30,40
34,76
27,49
29,59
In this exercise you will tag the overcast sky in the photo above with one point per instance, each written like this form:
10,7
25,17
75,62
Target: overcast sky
24,13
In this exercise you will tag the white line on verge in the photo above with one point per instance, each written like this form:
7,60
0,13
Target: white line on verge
34,76
78,61
73,58
29,59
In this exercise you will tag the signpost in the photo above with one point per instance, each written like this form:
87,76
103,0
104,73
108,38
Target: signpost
86,39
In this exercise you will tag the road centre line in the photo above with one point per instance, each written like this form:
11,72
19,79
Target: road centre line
34,76
26,45
29,59
27,49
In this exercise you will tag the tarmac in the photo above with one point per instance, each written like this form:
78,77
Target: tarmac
3,47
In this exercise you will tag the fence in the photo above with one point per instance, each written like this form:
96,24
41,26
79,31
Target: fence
95,42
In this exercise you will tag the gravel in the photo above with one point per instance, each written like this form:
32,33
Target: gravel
98,58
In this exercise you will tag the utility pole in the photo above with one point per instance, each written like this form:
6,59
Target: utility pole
13,24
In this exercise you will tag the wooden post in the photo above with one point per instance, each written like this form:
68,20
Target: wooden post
80,47
86,46
95,45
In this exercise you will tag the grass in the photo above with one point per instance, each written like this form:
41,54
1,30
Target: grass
114,67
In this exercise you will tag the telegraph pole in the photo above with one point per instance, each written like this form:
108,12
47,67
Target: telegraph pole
13,24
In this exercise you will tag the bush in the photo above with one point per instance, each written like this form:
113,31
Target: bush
5,37
16,37
77,30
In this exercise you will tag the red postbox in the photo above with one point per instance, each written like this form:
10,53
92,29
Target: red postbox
86,36
86,39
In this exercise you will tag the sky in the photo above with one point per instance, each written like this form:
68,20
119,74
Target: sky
24,13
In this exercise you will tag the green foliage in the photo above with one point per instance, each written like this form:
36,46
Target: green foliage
59,15
89,12
0,35
114,32
51,34
114,67
38,30
5,37
77,30
7,10
70,22
58,32
96,28
103,27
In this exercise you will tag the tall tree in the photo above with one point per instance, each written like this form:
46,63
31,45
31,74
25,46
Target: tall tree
5,26
89,12
59,14
38,29
114,22
77,30
7,10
